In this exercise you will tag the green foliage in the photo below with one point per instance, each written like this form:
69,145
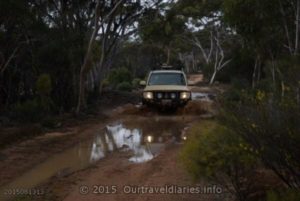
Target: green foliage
139,58
119,75
29,111
289,70
287,195
136,83
44,85
240,67
218,154
124,86
207,70
162,30
198,9
212,149
255,20
34,110
49,122
269,123
104,84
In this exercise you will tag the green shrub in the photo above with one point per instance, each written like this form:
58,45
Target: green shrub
29,111
124,86
207,70
117,76
44,85
49,122
269,123
136,83
104,84
288,195
217,154
32,110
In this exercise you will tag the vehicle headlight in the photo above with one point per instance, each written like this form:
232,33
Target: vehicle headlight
173,95
159,95
148,95
185,95
149,139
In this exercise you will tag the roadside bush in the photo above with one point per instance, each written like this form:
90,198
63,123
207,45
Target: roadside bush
32,111
49,122
207,70
136,83
29,111
120,75
269,123
124,86
44,85
104,85
44,88
288,195
214,152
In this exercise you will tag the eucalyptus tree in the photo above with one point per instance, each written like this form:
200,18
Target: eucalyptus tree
112,21
19,32
270,28
207,32
162,27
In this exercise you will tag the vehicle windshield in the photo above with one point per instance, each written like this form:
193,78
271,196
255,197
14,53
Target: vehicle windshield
167,79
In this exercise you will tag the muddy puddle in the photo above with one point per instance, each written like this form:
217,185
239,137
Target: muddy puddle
203,96
143,138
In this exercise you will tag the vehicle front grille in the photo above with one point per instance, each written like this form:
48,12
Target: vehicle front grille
167,95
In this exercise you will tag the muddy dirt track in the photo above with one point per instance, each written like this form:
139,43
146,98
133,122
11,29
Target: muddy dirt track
132,154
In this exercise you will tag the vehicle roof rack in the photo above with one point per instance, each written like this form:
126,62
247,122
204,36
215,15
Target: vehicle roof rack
167,67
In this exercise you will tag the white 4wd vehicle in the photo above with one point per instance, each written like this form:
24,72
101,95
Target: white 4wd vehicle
166,88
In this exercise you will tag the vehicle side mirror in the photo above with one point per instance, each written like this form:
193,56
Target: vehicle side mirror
143,83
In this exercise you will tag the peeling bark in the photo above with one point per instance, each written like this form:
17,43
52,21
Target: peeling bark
86,64
206,56
297,28
254,73
5,65
219,62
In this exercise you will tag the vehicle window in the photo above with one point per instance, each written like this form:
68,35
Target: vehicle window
167,79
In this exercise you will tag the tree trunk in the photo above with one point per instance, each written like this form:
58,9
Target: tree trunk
6,64
254,74
86,64
84,68
297,28
81,94
273,68
194,62
287,33
212,79
282,89
298,95
168,55
258,71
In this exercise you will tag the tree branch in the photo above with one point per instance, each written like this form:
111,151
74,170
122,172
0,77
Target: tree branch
9,59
